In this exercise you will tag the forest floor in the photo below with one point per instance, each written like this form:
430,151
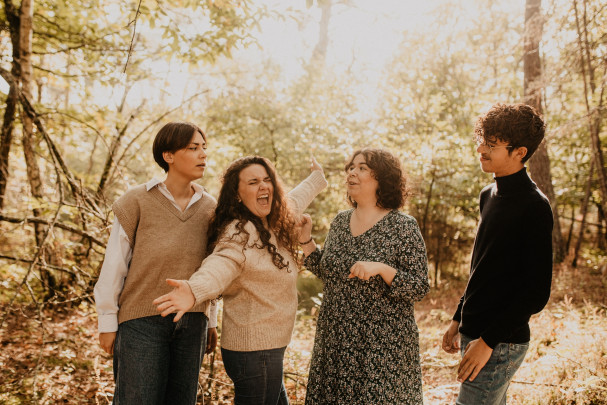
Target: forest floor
53,357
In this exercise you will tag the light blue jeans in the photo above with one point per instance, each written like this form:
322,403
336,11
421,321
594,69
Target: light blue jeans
490,385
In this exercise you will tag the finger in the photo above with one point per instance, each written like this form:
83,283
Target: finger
168,311
173,283
164,305
178,316
160,299
475,372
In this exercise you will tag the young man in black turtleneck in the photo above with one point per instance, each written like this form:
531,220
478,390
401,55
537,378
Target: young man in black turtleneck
511,267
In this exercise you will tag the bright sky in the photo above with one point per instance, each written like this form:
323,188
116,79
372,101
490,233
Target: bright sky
363,36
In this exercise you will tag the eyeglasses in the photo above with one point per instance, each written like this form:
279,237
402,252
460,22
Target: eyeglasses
492,147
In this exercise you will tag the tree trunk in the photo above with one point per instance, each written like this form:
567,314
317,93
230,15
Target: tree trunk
28,140
584,211
320,50
594,113
539,164
8,123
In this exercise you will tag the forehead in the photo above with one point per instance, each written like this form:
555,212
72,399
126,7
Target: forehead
253,172
197,138
359,159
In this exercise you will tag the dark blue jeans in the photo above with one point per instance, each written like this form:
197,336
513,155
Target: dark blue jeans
157,361
257,376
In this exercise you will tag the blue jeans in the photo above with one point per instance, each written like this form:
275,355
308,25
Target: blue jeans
490,385
157,361
257,376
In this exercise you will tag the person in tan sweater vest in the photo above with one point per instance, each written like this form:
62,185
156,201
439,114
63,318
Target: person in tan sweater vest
159,231
254,265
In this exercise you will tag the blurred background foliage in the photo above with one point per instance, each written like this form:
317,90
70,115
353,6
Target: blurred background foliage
107,74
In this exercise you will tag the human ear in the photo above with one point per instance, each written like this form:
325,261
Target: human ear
168,157
521,152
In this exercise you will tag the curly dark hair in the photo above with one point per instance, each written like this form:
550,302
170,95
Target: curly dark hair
519,125
392,189
172,137
280,220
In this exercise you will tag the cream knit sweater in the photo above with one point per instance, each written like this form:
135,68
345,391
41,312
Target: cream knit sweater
260,300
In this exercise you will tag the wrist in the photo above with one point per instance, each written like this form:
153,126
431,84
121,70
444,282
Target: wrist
306,242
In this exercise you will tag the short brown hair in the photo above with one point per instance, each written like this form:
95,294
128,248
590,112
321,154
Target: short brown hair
519,125
172,137
392,189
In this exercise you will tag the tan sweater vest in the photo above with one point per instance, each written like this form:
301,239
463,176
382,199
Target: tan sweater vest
166,243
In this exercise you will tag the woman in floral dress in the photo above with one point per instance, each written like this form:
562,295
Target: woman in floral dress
374,267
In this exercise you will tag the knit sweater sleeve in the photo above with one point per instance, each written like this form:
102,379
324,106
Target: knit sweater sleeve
536,275
221,267
303,194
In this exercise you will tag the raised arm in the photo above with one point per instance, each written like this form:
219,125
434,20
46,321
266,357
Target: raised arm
303,194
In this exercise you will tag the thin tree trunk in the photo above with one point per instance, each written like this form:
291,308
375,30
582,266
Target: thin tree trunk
319,54
28,139
570,232
6,140
539,164
427,207
594,113
8,123
584,211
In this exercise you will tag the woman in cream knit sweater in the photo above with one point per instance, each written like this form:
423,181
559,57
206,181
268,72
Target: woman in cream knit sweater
254,266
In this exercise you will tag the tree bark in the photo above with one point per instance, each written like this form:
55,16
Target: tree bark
319,55
26,31
594,113
539,163
584,211
8,123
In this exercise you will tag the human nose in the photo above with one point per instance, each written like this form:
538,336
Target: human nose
482,146
203,153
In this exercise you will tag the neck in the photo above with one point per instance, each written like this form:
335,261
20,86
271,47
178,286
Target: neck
369,208
509,170
178,186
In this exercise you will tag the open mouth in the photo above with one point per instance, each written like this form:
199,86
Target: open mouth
264,199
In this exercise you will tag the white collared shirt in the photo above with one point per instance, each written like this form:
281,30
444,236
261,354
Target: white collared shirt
118,254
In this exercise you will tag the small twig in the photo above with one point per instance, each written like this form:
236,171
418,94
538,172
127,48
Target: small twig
537,383
593,372
134,22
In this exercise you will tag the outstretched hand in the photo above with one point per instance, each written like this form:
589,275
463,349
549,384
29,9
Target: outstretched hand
179,301
314,165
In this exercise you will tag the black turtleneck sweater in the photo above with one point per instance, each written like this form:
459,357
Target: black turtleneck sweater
511,268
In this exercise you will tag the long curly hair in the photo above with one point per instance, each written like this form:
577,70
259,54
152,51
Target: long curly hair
392,191
280,220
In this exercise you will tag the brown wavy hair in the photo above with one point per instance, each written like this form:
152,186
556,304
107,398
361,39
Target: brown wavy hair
280,220
518,125
392,191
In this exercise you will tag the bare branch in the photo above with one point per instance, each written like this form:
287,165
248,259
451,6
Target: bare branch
60,225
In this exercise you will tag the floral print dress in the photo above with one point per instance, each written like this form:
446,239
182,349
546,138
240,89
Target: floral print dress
366,349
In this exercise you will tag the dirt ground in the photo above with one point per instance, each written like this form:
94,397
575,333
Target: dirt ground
54,358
